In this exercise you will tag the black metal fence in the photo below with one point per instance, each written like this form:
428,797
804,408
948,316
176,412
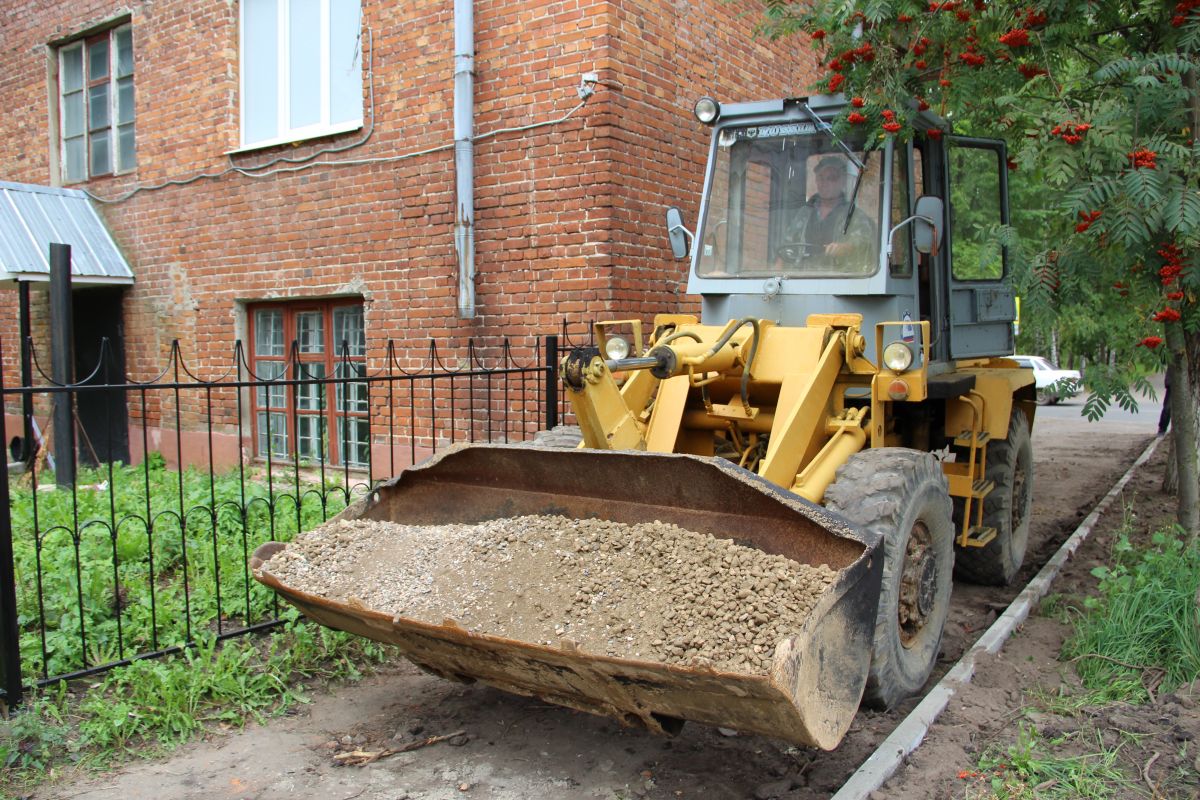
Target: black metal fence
139,546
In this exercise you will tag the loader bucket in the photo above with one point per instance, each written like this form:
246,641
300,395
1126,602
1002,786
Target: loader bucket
817,674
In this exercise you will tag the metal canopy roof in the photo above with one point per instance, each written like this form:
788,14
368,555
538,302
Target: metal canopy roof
31,217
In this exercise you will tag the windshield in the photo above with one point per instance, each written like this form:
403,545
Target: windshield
786,200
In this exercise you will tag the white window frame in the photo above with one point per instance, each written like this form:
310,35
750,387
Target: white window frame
114,152
287,134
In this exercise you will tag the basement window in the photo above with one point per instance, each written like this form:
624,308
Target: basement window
321,344
95,105
301,69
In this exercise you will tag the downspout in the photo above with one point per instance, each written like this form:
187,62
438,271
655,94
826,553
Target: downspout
464,164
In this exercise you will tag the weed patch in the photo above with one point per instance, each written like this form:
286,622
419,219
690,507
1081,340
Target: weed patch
153,706
143,558
1121,731
1141,633
1034,768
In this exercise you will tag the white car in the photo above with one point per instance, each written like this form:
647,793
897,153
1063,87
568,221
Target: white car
1053,384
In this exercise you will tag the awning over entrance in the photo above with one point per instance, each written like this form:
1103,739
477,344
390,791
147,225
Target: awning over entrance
31,217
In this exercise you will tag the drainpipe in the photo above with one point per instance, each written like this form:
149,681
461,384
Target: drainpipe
464,166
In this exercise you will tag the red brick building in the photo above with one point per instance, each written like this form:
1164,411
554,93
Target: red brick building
196,119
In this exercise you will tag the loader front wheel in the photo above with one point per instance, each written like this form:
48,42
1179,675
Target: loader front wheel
902,496
1006,508
567,437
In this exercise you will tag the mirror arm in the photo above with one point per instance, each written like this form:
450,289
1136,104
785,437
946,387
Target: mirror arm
901,224
691,236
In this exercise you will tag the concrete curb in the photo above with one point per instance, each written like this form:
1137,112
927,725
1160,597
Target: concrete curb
911,731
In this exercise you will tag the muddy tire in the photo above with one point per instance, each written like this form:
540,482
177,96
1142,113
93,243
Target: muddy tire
564,436
1006,508
903,496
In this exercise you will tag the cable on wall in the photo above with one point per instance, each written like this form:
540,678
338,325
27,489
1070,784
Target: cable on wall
308,161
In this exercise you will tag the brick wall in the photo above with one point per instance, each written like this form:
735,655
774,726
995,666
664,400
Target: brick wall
569,217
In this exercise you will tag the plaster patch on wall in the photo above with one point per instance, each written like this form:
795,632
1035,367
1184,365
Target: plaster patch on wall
355,285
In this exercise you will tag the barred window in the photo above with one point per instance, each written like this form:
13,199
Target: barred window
310,342
96,108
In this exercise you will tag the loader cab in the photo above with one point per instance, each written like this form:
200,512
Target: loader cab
796,219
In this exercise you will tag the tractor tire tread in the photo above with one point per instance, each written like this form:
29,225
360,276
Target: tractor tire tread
880,490
563,436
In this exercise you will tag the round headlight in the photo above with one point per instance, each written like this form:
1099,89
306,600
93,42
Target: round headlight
897,356
707,110
616,348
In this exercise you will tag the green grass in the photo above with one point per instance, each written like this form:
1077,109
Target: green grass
1139,634
1143,628
92,559
1056,606
152,706
1034,769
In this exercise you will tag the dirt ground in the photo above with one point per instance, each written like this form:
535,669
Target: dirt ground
511,748
1157,740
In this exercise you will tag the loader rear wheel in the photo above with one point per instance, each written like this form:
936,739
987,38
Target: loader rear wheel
1006,508
902,496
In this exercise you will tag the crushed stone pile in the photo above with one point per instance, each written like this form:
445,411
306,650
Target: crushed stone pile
649,591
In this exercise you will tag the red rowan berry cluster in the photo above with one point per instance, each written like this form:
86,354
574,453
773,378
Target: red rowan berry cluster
1174,264
1017,37
1034,17
1070,132
1143,159
1088,218
1182,10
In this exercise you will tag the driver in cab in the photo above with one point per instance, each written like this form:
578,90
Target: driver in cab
827,230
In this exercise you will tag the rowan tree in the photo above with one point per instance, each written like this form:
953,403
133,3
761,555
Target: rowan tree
1099,100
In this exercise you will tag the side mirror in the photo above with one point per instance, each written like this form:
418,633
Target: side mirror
679,235
927,227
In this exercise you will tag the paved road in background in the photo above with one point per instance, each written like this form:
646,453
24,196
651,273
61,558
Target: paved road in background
1146,418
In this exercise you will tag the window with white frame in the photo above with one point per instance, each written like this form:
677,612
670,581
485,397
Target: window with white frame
95,105
314,349
301,69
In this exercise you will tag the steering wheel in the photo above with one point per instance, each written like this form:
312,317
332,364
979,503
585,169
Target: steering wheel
792,253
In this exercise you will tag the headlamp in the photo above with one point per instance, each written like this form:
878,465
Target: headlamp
897,356
707,110
616,348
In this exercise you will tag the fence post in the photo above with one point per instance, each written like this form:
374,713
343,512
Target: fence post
10,636
551,364
62,364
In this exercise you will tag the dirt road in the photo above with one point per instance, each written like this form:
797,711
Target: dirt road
513,748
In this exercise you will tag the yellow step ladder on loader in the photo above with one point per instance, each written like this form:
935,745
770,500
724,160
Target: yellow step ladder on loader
967,478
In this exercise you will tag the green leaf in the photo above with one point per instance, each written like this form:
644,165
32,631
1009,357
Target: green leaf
1145,187
1181,212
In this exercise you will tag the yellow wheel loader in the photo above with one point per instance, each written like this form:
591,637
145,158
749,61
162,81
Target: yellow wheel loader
842,399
